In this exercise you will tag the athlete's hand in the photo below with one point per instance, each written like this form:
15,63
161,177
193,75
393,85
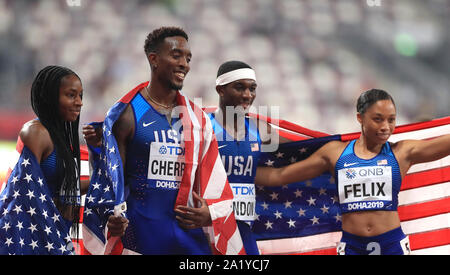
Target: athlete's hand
117,225
93,136
191,218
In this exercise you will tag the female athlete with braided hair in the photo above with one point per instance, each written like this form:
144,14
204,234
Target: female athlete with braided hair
56,99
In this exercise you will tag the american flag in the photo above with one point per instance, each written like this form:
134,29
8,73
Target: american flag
303,218
424,203
30,223
208,178
298,209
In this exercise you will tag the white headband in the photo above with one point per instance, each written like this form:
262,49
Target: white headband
245,73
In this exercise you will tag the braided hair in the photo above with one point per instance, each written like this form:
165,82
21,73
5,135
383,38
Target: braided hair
64,135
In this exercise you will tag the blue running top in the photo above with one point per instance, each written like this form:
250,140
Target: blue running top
368,184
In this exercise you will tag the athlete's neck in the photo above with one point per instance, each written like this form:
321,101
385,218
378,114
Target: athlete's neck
161,94
234,124
366,149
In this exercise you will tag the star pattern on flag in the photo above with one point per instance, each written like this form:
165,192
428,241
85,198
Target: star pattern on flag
104,191
100,199
31,223
298,209
101,196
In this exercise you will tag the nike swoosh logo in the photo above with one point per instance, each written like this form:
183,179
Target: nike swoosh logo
350,164
222,146
147,124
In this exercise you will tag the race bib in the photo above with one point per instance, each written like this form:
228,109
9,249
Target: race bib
365,188
166,165
243,201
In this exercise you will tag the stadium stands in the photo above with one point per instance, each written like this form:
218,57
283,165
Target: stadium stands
312,58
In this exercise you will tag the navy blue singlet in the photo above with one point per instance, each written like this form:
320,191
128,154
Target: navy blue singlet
368,184
240,159
53,177
154,168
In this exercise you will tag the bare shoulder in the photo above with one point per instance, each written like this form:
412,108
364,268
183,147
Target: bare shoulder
333,150
334,147
33,131
36,137
126,118
264,129
403,147
124,126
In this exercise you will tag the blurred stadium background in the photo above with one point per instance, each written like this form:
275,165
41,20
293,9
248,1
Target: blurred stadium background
312,57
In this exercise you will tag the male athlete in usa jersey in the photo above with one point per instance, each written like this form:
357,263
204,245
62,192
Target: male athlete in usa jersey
368,172
240,141
153,147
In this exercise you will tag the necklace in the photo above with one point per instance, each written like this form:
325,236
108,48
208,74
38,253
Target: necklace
157,103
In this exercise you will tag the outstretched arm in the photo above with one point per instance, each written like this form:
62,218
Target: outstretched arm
419,151
314,166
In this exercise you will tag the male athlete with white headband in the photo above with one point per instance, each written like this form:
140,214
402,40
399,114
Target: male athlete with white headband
240,141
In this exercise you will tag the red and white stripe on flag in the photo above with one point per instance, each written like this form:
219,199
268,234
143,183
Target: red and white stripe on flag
210,179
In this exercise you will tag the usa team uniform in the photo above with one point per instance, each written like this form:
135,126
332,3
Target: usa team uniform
240,159
370,185
154,168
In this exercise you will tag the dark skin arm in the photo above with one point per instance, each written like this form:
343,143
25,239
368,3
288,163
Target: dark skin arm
321,161
36,137
429,150
123,131
410,152
190,217
93,136
84,186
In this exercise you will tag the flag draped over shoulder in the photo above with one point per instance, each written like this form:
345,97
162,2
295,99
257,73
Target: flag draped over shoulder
30,223
303,218
106,189
203,173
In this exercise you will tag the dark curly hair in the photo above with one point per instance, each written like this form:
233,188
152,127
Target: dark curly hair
156,37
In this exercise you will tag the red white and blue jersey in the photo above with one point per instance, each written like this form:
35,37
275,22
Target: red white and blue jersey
368,184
